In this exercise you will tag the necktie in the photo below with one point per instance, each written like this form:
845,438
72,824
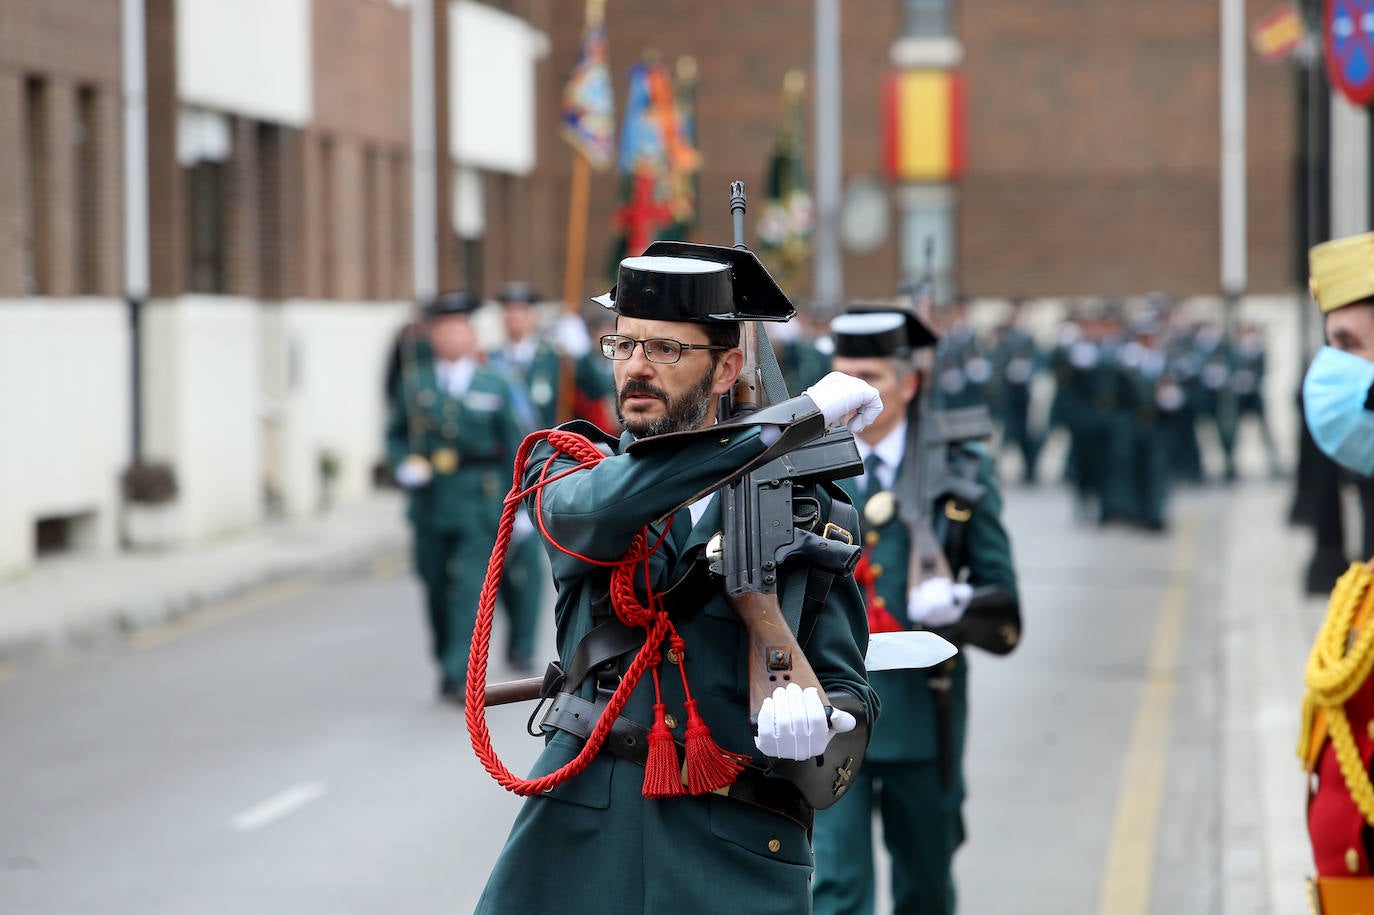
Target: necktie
871,482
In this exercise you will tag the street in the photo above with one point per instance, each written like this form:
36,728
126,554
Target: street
284,753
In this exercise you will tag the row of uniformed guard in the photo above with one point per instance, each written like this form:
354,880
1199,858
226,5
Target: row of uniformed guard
1131,395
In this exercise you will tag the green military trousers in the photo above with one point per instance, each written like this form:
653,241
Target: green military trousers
452,565
922,828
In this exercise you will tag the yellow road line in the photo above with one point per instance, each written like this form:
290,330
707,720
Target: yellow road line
1125,888
387,566
200,620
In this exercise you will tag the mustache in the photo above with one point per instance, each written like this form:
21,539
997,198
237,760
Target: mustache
638,387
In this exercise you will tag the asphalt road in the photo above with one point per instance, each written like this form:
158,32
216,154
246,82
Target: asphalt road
285,753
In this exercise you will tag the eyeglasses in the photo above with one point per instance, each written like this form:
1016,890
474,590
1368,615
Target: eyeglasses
659,349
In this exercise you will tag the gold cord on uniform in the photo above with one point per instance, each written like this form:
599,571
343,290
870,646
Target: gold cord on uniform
1337,668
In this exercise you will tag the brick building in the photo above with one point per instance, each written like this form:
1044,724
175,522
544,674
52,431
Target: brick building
1091,137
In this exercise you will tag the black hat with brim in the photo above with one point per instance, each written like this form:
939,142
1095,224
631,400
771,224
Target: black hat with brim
518,292
880,331
458,302
678,281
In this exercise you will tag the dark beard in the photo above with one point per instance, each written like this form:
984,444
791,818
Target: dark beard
680,415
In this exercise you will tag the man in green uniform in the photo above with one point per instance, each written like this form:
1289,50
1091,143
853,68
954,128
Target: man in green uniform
913,774
596,843
1016,360
1216,358
451,439
534,372
1136,478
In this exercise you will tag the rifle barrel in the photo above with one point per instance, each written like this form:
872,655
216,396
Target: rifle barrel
737,211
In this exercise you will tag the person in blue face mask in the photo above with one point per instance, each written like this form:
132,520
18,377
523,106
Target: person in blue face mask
1336,393
1336,742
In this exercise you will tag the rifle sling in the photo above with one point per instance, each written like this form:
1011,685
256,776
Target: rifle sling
819,581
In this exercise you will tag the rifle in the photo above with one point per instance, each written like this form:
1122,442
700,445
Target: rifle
764,525
992,619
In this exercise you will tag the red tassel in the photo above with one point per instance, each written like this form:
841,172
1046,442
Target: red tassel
662,777
709,768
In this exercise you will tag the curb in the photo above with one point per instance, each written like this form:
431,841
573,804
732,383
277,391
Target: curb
115,621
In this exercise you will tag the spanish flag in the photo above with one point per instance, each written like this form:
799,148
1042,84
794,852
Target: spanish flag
924,125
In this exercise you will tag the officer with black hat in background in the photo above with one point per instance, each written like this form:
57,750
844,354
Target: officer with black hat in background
533,367
935,557
451,438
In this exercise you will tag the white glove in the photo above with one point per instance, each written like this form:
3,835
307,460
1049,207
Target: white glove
570,333
792,724
414,472
838,395
938,602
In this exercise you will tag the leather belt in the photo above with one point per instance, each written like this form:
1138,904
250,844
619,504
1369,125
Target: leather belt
1340,895
630,740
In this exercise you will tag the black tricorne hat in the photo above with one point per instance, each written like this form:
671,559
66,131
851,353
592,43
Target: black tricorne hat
518,291
457,302
879,330
678,281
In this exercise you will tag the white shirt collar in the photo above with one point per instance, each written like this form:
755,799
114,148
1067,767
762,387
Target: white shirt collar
522,351
889,450
455,377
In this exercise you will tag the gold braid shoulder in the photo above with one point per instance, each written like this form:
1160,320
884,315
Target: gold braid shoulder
1337,668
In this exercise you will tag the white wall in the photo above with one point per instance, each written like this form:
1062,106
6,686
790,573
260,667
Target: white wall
491,88
202,401
248,57
322,376
64,419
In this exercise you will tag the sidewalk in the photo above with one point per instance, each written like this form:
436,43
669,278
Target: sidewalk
1267,627
69,601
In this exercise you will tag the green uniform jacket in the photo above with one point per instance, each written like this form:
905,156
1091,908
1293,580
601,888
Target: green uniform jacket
540,379
908,730
479,428
595,844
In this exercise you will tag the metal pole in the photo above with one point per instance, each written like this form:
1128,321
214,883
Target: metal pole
827,267
135,89
424,208
1233,203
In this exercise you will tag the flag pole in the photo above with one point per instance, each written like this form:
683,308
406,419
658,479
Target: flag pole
575,258
577,233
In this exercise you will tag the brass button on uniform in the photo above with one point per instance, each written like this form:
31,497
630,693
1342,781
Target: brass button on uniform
774,845
673,656
877,570
1352,860
879,601
670,720
871,538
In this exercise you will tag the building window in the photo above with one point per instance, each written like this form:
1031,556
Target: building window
270,240
927,18
87,139
372,253
205,203
400,225
37,190
329,232
928,221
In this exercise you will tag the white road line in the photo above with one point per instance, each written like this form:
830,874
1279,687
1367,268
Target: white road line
277,806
